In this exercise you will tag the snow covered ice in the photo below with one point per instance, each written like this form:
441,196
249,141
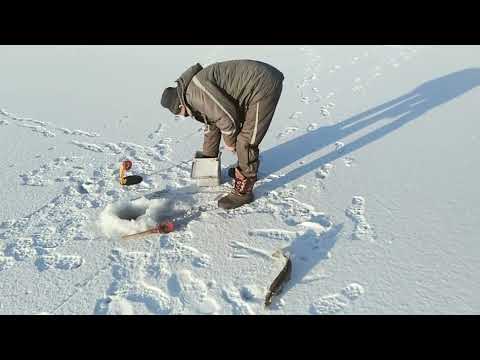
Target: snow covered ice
368,179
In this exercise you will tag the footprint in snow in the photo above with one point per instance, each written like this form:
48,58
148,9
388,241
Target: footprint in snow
87,146
129,270
338,146
356,212
295,115
324,171
338,302
193,293
324,111
348,161
237,300
58,261
287,131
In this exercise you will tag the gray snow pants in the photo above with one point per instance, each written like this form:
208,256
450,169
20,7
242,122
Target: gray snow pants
257,121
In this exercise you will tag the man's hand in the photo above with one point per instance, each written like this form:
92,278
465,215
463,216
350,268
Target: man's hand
230,148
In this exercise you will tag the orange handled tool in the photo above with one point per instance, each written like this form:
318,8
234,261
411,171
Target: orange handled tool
163,228
131,179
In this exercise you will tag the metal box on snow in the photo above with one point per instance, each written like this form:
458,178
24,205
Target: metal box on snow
207,171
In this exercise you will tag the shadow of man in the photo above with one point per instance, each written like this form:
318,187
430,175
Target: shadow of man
395,113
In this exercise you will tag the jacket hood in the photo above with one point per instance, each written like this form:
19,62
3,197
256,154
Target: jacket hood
184,80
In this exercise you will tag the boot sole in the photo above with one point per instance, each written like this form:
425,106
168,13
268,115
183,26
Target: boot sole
232,206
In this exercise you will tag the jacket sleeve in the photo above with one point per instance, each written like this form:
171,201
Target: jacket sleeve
211,141
209,100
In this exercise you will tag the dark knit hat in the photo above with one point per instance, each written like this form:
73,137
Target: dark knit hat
170,100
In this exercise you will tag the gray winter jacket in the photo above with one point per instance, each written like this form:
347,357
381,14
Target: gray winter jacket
220,94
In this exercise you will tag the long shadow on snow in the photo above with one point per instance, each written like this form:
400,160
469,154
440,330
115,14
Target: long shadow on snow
396,113
307,251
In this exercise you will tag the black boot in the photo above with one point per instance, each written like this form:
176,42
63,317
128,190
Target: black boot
241,194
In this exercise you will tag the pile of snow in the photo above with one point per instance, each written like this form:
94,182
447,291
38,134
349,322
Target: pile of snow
128,217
